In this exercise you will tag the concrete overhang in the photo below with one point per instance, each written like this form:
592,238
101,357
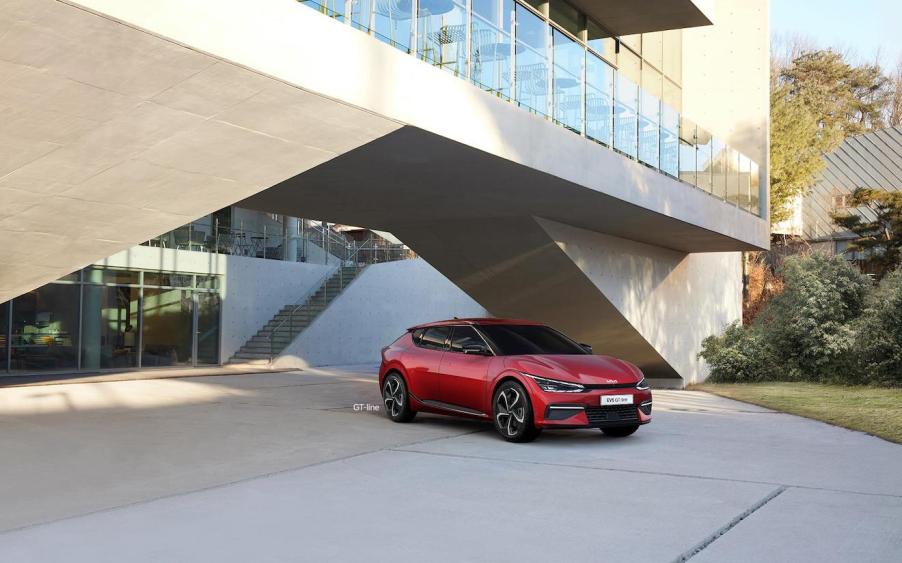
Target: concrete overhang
625,17
185,119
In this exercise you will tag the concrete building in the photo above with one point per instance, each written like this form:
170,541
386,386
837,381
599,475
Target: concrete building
597,166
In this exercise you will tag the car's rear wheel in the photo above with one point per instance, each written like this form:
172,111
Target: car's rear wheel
620,431
512,413
396,399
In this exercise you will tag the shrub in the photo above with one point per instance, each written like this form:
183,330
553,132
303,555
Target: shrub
807,332
740,354
810,324
879,333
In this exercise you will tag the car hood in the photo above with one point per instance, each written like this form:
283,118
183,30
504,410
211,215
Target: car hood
578,368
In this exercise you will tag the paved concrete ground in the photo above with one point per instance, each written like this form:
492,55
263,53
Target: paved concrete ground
282,467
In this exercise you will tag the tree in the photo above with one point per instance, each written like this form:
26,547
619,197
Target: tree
879,334
879,239
894,109
847,98
817,99
797,144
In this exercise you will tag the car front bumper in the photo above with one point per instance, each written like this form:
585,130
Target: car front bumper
584,410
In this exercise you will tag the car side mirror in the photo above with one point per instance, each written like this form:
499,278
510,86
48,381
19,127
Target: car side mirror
477,349
586,347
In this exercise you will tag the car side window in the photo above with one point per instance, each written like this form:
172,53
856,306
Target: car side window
435,337
464,336
417,335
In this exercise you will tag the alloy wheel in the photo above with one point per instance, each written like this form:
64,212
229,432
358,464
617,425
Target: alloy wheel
510,411
393,396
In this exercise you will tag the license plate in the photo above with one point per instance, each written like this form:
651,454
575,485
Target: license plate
616,400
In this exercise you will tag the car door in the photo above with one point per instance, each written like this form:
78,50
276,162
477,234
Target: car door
463,376
422,362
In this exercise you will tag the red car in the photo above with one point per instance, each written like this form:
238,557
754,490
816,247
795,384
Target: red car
524,376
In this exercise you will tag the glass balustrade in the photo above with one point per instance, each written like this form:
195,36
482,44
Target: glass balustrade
508,49
599,100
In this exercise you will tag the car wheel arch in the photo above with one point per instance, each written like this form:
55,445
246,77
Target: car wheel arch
505,377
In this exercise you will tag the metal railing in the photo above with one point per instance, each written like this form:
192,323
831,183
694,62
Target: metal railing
520,55
371,251
315,243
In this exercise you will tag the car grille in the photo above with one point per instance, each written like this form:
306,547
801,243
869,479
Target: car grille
609,385
615,413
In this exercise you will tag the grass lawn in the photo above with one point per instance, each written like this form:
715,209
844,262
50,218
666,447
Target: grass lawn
868,409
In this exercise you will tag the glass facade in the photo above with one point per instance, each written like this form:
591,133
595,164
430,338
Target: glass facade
624,92
103,318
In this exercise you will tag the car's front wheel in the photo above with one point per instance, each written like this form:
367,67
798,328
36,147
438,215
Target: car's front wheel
620,431
512,413
396,399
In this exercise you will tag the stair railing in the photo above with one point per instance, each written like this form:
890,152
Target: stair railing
324,282
357,255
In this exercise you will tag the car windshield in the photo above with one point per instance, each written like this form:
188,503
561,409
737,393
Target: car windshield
515,340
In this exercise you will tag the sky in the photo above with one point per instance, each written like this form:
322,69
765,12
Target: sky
862,26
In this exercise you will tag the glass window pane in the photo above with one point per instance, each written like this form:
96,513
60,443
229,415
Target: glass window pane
629,65
568,81
673,55
167,325
650,115
331,8
705,164
673,95
719,172
463,336
208,282
755,187
532,61
167,279
208,307
687,151
45,328
653,48
491,49
442,34
731,166
601,41
626,108
4,334
361,18
103,275
670,144
599,100
392,22
109,327
745,168
435,337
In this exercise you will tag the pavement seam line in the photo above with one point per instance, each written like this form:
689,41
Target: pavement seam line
403,449
699,547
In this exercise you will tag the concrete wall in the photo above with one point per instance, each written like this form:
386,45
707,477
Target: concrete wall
673,300
726,79
253,290
374,310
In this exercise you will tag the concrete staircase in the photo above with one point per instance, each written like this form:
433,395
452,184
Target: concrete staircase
292,319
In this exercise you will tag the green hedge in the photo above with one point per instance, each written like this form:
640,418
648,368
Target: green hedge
830,324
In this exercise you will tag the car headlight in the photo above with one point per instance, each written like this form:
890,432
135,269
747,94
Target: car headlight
554,385
643,385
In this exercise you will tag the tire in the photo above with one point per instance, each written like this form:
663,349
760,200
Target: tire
512,413
620,431
396,399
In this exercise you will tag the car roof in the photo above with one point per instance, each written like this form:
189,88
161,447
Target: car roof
476,321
